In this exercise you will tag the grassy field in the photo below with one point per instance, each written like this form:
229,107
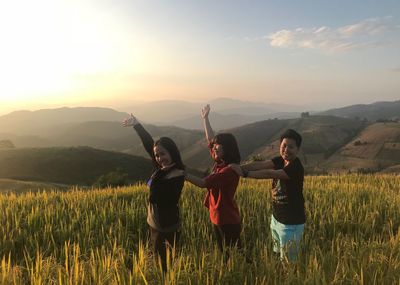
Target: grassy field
99,237
20,186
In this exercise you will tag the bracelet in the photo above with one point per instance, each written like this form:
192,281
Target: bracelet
245,172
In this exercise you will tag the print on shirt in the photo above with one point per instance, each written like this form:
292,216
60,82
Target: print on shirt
279,192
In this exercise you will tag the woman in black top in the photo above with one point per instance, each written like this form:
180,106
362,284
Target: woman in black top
166,185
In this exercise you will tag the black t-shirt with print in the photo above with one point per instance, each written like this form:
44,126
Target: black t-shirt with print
287,194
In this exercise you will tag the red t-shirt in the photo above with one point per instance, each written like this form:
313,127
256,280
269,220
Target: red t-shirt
221,185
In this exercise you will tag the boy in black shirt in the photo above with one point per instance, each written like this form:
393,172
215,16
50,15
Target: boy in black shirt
288,213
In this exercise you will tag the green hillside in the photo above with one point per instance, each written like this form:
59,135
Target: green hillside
372,112
70,165
377,147
322,136
330,143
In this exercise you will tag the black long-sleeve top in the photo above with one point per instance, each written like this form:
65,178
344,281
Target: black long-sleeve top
163,209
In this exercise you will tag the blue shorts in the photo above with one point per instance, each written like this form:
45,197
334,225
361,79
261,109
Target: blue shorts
286,239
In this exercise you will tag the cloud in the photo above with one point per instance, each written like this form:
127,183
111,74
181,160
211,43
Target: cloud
367,27
359,35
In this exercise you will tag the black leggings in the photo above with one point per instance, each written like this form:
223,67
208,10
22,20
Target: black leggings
228,235
160,241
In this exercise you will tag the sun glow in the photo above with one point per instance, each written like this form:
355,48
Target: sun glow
54,49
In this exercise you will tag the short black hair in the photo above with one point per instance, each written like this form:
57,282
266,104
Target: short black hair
230,147
292,134
173,150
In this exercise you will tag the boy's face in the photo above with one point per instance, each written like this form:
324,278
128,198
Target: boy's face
288,149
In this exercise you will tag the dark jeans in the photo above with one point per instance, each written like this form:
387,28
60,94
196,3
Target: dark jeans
160,241
228,235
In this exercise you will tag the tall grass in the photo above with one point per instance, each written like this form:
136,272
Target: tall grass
100,237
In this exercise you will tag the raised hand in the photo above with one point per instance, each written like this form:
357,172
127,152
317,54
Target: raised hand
205,111
206,122
130,121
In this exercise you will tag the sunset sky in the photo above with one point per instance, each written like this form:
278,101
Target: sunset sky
114,52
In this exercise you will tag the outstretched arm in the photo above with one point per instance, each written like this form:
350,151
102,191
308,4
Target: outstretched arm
243,169
199,182
206,122
259,170
258,165
146,138
267,174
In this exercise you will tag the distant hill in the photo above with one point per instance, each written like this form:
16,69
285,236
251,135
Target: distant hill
6,144
163,112
72,165
103,135
330,143
20,186
322,137
333,144
375,149
219,121
228,121
41,121
225,105
371,112
392,169
327,141
227,112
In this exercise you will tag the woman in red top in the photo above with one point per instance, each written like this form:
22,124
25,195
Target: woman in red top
221,185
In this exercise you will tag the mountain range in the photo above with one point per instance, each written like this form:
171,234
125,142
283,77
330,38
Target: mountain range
226,113
354,138
371,112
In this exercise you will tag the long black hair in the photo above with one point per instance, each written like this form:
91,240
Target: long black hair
171,147
230,147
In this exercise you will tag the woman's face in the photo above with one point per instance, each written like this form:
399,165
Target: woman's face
217,152
162,156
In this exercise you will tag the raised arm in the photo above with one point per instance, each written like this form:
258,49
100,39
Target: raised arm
206,122
145,137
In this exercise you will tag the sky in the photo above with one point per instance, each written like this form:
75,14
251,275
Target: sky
111,53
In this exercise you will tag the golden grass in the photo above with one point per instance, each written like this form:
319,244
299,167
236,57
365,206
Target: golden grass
99,237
